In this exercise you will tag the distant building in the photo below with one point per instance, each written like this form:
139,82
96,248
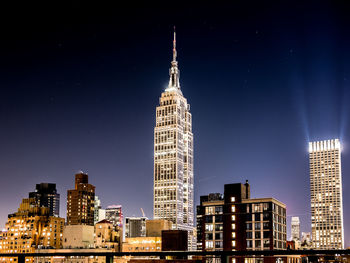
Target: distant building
80,202
234,221
108,236
31,227
99,213
155,227
114,214
46,195
78,236
306,241
295,229
326,194
135,226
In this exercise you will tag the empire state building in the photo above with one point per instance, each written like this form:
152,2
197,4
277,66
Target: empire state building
173,155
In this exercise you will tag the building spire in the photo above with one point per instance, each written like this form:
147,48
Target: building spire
174,72
174,45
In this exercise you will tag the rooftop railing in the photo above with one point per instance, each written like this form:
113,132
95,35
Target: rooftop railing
224,256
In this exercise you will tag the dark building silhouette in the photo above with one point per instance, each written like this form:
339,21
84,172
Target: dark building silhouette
80,202
174,240
46,195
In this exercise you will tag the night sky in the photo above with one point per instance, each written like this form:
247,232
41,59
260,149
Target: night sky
80,83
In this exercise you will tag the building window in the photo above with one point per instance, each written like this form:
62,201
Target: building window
219,227
257,226
249,243
218,219
233,243
233,209
208,227
209,210
233,234
249,226
209,244
233,226
218,210
209,236
249,235
233,218
219,236
218,244
233,199
257,243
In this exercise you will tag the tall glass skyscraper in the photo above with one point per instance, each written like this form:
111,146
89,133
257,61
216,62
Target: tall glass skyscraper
326,195
173,155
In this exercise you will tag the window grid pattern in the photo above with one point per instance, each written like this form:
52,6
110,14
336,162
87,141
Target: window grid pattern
326,194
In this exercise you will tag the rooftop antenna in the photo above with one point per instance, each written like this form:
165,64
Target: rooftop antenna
174,45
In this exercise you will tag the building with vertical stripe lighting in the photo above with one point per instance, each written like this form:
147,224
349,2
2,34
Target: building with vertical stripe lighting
173,156
326,194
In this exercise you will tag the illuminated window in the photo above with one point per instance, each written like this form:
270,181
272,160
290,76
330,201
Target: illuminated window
233,199
209,210
233,243
209,227
233,209
209,244
233,234
233,226
233,218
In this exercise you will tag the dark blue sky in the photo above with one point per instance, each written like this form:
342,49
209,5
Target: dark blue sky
79,85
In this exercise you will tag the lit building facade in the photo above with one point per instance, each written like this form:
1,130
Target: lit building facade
326,194
108,236
81,202
31,227
173,155
295,228
142,244
99,212
114,214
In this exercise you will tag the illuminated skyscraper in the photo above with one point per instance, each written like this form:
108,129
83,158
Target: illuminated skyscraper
80,202
326,195
173,155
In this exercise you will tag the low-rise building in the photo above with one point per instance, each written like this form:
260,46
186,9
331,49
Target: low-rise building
78,236
155,227
142,244
108,236
135,226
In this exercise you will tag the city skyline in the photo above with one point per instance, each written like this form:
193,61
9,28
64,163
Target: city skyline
82,96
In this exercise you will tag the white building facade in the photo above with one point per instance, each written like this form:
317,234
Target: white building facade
326,194
173,155
295,228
